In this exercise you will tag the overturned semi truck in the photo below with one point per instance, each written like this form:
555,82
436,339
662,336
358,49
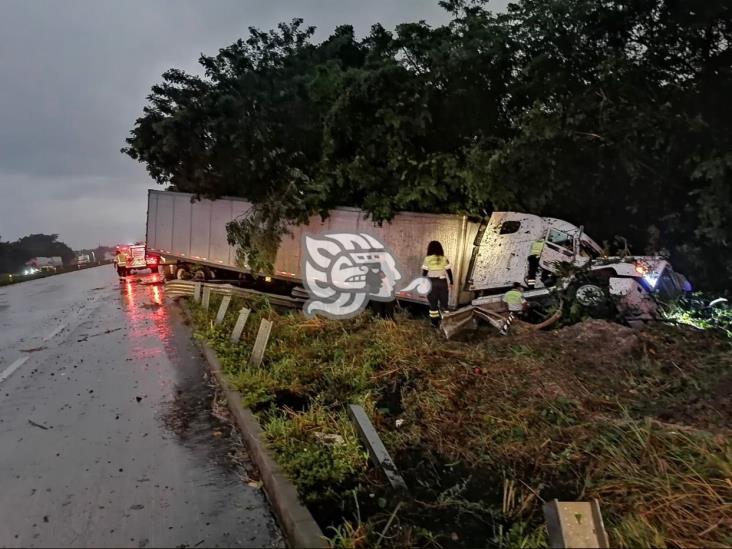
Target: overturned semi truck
487,255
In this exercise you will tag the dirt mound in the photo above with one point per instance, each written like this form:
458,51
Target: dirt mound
601,334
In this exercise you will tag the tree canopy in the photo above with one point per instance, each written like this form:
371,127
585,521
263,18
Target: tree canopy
13,255
611,114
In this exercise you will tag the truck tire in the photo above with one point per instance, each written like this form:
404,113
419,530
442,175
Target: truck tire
590,299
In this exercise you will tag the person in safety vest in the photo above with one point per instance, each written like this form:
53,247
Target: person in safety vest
514,299
436,267
536,248
121,261
516,303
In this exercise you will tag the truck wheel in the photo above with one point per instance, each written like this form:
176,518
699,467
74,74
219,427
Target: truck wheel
182,274
590,295
590,299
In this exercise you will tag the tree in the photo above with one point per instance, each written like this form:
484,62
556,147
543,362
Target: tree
609,114
13,255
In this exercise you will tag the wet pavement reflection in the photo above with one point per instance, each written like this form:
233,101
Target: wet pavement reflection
106,433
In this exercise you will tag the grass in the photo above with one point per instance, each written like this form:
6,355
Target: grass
7,279
490,428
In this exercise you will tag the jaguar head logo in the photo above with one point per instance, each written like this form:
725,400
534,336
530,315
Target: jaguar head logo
344,270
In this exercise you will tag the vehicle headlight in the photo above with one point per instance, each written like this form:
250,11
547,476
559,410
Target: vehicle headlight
651,279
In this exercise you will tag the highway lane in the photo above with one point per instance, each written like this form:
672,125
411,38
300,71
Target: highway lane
106,432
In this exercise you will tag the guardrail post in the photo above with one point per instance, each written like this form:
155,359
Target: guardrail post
260,343
239,326
222,309
575,524
378,452
206,297
197,292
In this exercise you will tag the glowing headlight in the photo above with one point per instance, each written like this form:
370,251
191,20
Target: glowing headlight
651,279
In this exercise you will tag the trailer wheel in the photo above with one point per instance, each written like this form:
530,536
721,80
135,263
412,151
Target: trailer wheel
182,274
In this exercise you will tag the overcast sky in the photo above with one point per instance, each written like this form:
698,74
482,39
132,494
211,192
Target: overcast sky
73,78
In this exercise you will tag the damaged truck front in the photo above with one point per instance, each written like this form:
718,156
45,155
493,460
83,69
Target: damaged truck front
574,273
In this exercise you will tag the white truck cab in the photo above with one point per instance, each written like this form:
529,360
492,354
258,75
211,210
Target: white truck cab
503,245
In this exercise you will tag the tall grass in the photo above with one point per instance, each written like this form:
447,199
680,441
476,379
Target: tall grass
489,429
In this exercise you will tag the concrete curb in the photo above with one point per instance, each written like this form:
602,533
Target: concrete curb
295,519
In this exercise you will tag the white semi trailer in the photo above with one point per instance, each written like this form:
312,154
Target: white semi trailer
182,230
488,255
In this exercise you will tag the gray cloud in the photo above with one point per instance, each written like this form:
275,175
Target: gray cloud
75,75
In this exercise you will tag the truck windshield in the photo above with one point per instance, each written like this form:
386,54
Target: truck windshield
588,250
560,239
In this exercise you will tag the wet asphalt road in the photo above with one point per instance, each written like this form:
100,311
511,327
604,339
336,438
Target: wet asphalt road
106,432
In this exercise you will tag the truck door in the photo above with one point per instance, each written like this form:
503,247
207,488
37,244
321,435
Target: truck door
559,247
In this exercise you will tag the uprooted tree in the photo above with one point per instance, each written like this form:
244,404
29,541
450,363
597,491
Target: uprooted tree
614,115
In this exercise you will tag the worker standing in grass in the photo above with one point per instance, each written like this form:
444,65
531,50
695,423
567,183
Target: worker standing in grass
436,267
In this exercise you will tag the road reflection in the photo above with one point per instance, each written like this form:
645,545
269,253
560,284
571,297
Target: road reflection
142,301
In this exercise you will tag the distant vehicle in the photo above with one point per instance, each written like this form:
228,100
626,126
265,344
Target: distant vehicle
488,255
137,258
83,261
45,264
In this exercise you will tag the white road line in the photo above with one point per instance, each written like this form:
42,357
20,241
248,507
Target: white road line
55,332
14,366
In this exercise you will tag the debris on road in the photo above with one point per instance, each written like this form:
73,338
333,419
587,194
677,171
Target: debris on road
34,349
38,425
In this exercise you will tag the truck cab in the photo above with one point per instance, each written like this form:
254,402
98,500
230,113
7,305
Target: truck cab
136,257
503,245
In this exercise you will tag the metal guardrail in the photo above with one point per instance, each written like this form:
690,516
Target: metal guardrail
186,288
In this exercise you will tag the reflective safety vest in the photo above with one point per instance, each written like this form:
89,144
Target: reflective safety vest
121,259
537,247
514,299
436,266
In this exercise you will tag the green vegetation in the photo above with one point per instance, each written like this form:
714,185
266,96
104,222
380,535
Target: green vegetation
491,427
694,310
13,255
613,115
7,279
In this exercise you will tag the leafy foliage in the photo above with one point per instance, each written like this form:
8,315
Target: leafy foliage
609,114
695,310
13,255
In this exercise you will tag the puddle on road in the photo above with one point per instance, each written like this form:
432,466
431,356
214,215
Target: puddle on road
189,416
